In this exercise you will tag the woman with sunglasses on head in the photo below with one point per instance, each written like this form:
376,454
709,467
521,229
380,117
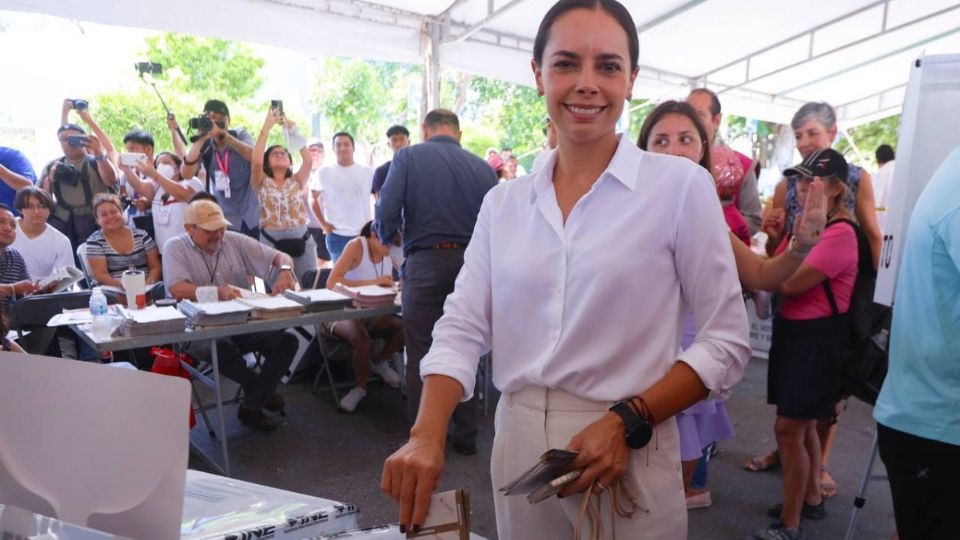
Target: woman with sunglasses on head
674,128
283,215
542,288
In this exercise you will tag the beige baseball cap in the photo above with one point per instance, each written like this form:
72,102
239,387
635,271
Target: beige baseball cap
205,214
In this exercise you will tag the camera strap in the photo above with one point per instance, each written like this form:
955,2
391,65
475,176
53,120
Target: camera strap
84,181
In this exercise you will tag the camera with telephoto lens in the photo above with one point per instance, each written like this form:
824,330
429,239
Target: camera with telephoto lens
67,174
80,104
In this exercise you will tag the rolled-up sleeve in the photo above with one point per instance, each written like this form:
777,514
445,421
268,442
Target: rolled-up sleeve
463,334
708,278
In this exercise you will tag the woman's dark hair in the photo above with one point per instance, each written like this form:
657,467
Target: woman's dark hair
22,199
612,7
676,107
176,159
203,196
266,161
367,230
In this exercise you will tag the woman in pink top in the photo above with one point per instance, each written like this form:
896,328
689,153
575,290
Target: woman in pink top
810,334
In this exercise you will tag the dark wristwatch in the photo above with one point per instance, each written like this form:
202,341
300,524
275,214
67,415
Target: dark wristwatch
638,430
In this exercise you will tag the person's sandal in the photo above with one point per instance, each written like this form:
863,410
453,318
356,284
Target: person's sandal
828,486
766,462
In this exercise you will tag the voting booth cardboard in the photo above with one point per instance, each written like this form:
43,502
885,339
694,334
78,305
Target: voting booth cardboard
929,131
94,446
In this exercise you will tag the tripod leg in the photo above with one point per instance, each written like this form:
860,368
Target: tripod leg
860,500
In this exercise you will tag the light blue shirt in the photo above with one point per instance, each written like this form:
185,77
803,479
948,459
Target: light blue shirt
921,394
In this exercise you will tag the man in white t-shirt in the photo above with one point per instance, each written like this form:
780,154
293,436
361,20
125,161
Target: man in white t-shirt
343,202
886,159
44,249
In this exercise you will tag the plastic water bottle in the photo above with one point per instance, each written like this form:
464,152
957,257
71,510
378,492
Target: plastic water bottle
101,322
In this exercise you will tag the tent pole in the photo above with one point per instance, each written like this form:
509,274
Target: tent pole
430,45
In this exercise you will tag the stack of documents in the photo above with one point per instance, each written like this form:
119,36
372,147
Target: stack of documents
214,313
368,296
150,321
318,299
272,307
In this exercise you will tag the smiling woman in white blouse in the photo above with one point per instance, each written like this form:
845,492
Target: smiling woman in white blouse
584,337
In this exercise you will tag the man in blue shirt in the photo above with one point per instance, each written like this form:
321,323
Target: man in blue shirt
918,411
435,190
15,172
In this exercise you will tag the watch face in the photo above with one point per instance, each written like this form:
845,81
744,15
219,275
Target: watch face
639,436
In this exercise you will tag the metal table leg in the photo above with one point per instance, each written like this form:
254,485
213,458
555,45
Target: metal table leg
223,427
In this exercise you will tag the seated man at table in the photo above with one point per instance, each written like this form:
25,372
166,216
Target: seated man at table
209,254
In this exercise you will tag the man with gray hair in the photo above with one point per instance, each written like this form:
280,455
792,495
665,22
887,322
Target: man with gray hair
433,190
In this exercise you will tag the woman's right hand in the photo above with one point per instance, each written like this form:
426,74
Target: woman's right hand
383,281
411,475
808,227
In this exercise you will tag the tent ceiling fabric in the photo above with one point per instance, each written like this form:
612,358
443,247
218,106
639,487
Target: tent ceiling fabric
764,58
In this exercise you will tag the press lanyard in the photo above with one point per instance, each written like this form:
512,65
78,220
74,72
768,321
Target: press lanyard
224,163
216,264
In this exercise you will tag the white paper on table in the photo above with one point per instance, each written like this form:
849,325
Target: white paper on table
271,303
217,308
94,446
319,295
151,314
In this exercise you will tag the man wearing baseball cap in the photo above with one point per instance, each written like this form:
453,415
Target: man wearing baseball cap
210,255
225,154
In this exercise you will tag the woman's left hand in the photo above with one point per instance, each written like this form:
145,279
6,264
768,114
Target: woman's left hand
604,454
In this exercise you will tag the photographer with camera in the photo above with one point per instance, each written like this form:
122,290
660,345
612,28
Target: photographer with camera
225,155
84,171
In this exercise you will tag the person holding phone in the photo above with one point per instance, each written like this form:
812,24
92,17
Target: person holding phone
170,195
283,216
84,171
541,287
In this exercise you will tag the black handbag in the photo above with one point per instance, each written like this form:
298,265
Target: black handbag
293,247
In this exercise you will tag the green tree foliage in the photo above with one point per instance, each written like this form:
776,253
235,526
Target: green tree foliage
194,69
364,98
868,137
206,67
516,113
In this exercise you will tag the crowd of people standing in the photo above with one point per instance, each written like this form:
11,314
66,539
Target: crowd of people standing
530,267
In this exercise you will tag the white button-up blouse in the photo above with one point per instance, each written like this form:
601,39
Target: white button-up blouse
596,306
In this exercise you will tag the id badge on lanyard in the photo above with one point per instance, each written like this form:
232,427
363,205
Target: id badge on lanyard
221,177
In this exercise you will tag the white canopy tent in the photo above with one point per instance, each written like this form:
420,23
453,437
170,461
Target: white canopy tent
763,58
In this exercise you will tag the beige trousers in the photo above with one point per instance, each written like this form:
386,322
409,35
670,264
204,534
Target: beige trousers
533,420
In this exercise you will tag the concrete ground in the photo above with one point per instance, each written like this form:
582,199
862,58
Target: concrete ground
322,452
